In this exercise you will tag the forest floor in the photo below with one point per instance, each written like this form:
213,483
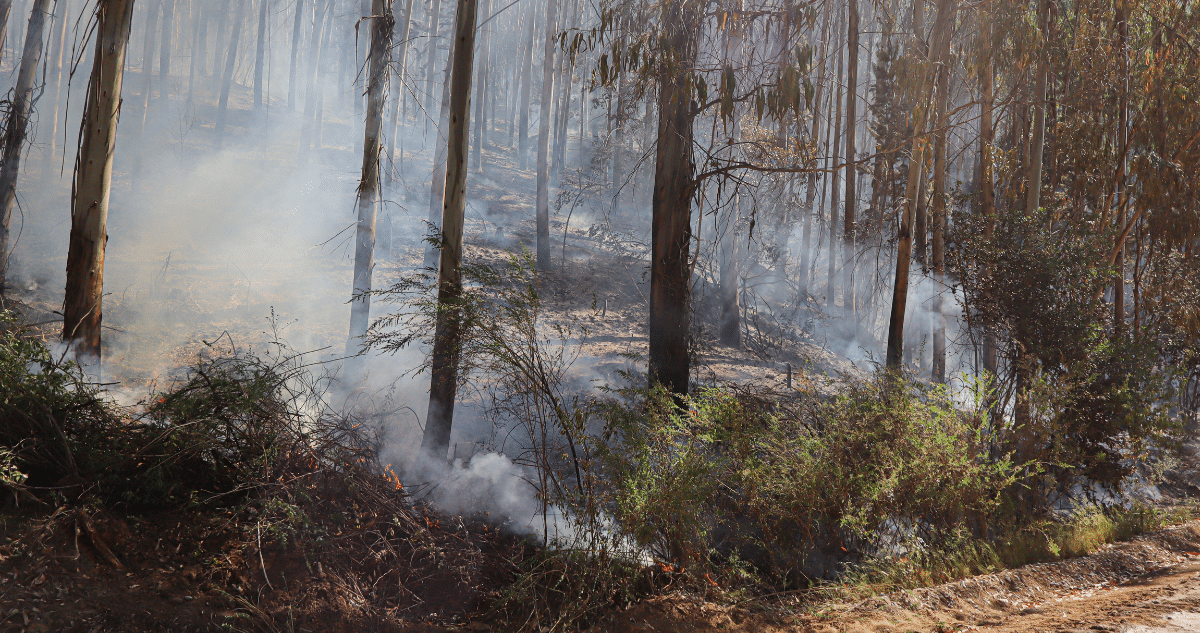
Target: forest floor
197,572
173,296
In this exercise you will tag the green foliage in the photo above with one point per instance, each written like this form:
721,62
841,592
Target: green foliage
861,473
233,425
1083,399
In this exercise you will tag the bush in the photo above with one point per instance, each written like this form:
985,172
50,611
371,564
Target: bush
872,472
232,425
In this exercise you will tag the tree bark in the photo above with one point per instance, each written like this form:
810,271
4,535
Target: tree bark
481,78
1123,144
297,29
443,384
368,189
939,222
940,50
164,55
987,189
674,186
5,12
543,156
526,88
311,88
56,76
148,59
849,217
260,55
1033,200
831,274
811,193
730,329
435,23
93,178
397,94
219,44
230,62
17,127
437,185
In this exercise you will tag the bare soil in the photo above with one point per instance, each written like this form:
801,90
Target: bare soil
1150,584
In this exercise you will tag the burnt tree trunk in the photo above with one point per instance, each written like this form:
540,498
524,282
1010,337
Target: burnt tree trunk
939,48
674,186
543,155
849,216
93,178
443,384
230,62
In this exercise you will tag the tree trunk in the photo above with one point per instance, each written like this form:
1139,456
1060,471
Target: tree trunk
939,222
1123,144
435,23
148,59
219,44
443,383
831,275
543,156
93,178
5,12
17,127
164,55
397,94
260,55
526,88
437,185
297,29
811,193
940,48
56,76
730,328
194,58
481,78
230,62
987,189
674,186
849,217
311,87
201,52
368,188
1033,199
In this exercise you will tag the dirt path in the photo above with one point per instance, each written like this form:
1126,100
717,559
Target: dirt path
1150,584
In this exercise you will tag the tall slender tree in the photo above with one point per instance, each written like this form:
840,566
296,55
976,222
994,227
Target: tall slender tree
82,304
230,63
297,31
937,52
443,385
378,60
16,128
543,156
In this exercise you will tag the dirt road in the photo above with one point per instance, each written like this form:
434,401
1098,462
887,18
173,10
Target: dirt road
1150,584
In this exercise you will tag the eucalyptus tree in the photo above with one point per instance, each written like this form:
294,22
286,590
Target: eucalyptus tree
378,61
16,127
677,47
82,305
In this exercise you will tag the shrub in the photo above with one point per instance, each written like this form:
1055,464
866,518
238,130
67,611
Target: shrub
871,472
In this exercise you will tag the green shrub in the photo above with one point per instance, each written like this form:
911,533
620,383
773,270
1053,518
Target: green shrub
864,474
231,425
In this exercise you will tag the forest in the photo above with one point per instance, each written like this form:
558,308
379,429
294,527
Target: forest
618,315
